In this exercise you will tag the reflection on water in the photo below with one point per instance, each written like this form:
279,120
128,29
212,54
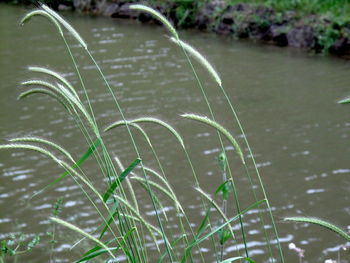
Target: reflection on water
286,100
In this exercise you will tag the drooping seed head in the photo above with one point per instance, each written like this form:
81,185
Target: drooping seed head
28,16
158,16
199,57
64,23
31,147
49,93
43,141
220,128
55,75
149,120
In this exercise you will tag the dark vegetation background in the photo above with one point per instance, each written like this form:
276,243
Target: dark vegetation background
316,25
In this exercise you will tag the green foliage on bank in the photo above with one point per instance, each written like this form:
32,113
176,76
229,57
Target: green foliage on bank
52,3
335,8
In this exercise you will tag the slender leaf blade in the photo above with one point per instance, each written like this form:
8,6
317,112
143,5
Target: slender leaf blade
229,260
120,179
82,159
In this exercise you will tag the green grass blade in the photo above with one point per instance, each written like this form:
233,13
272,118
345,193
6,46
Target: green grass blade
344,101
217,229
225,188
322,223
96,251
204,224
89,151
129,185
112,213
218,209
158,204
229,260
120,179
82,159
173,244
141,219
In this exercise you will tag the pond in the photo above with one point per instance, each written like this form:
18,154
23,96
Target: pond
285,98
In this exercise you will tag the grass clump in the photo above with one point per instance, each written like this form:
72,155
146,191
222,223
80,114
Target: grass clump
124,229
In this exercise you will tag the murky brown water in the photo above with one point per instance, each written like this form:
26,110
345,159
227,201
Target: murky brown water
285,98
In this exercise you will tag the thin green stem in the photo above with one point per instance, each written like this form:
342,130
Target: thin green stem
137,153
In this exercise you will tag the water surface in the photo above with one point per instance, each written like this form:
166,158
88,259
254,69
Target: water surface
285,98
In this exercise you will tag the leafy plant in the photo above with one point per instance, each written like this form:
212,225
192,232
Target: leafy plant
17,245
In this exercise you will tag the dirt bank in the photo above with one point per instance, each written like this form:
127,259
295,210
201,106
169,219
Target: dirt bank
313,32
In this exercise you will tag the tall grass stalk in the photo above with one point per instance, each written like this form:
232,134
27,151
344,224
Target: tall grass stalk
167,126
187,48
133,123
53,16
79,39
167,245
171,29
222,161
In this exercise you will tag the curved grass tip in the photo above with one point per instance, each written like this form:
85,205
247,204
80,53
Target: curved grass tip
157,15
30,147
116,124
320,222
65,24
199,57
149,120
82,232
218,127
344,101
56,76
43,141
28,16
229,260
163,124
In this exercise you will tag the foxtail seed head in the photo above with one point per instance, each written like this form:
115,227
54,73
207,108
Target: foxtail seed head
64,23
28,16
199,57
157,15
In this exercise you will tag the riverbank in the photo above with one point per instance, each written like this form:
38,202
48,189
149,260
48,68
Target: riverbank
315,27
